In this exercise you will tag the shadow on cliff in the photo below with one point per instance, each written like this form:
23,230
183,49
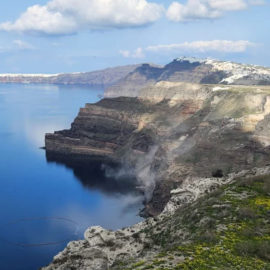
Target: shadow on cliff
98,174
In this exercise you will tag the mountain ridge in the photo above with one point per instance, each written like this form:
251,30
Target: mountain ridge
192,70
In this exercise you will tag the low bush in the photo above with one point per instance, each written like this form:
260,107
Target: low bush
208,238
247,212
251,248
266,187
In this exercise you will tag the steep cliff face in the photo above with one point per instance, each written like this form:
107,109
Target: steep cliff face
104,77
173,131
190,70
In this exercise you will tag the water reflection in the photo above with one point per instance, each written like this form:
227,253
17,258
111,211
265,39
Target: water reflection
98,174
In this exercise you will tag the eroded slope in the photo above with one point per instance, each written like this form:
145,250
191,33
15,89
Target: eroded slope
226,229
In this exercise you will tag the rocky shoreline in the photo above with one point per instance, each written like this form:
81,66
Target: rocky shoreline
102,249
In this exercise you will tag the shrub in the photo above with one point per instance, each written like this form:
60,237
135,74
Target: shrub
217,174
246,182
136,235
223,213
254,232
266,187
210,224
146,245
264,250
246,248
110,243
208,238
246,212
250,248
138,264
217,192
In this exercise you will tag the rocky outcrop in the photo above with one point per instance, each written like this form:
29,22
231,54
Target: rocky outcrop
190,70
101,77
173,131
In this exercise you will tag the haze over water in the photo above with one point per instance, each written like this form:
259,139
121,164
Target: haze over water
31,186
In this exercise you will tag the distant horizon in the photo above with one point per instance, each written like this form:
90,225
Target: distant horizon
79,72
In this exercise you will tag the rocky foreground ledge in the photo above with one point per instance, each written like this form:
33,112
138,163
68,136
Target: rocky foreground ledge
186,235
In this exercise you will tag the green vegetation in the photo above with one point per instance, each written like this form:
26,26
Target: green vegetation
228,229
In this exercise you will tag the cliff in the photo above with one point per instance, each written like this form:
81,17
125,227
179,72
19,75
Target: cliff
200,152
173,131
192,70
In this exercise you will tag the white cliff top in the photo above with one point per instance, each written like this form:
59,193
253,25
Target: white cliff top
28,75
192,59
235,70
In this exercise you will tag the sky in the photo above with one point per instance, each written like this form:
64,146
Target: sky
60,36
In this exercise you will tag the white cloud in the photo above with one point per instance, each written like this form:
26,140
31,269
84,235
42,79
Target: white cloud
195,10
257,2
138,53
64,17
125,53
226,5
23,45
221,46
226,46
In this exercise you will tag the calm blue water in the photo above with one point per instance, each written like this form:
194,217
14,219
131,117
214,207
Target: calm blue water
33,185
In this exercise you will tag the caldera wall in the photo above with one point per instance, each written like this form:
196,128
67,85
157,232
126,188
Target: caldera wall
173,131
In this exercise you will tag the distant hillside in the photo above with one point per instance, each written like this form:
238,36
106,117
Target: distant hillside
192,70
105,77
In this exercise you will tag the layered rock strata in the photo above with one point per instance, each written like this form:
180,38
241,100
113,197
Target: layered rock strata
173,131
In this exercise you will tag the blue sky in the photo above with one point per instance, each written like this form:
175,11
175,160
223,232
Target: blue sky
38,36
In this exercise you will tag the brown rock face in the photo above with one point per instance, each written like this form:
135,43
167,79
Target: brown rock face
103,129
172,131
